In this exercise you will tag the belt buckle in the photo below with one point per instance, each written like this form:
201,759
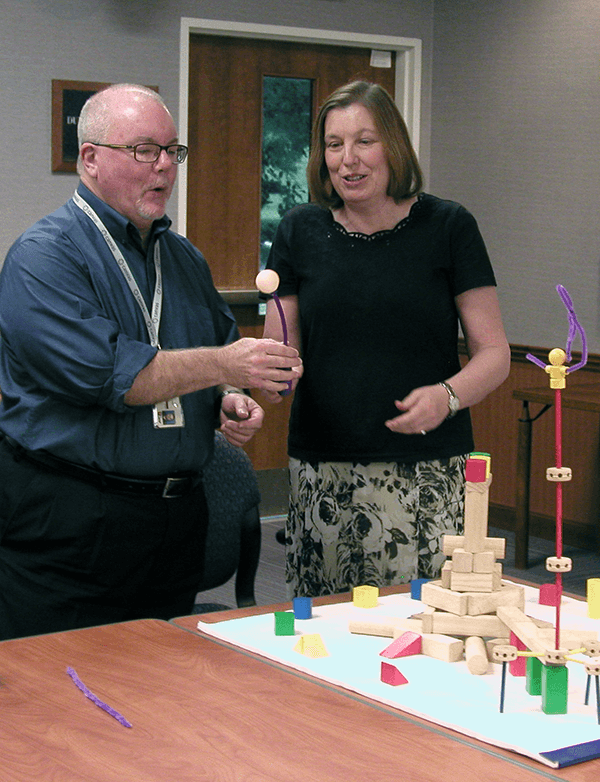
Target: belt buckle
170,484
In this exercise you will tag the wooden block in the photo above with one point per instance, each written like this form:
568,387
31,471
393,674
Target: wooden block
555,687
476,514
522,626
559,474
476,470
462,561
569,639
415,587
491,643
445,575
442,647
540,622
311,645
427,620
302,607
384,627
405,645
559,564
484,562
488,602
593,597
391,675
497,545
518,666
533,676
284,623
472,582
549,595
416,625
487,626
388,627
476,656
433,594
365,596
497,576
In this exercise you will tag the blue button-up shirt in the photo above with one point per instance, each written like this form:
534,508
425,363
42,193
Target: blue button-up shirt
74,339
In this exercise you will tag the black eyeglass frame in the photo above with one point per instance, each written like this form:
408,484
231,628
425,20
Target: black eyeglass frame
159,147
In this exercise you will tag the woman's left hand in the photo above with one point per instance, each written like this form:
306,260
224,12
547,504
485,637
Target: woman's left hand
421,411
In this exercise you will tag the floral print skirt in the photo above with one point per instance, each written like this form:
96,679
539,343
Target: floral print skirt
380,524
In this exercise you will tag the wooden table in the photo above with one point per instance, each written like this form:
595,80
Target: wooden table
585,396
204,711
415,750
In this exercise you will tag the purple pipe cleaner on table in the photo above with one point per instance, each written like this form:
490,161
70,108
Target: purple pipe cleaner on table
574,329
89,694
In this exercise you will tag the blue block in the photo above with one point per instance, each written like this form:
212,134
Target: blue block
415,587
302,607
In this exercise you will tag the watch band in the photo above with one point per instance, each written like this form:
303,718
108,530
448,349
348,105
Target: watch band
453,400
232,391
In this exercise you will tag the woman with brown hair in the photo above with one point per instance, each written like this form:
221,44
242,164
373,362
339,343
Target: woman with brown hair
375,278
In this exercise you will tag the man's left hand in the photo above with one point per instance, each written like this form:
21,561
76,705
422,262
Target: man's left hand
241,418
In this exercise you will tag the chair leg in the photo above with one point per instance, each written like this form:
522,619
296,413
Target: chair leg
249,558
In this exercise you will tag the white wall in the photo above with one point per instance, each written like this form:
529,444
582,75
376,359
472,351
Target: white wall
515,130
510,115
136,41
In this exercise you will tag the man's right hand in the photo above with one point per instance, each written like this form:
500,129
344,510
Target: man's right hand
260,363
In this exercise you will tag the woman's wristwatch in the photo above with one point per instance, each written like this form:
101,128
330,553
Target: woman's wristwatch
453,401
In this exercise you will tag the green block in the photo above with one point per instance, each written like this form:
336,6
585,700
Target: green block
555,684
533,676
284,623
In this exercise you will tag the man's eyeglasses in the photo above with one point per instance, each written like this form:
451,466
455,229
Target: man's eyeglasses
149,153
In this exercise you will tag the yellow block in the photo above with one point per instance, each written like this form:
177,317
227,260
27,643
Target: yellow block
365,596
593,598
311,645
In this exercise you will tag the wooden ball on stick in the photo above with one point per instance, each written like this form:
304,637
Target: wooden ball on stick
267,281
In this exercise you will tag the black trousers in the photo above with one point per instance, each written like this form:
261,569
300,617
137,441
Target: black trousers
74,556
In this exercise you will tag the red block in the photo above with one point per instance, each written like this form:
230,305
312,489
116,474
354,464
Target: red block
407,644
518,667
391,675
476,470
549,595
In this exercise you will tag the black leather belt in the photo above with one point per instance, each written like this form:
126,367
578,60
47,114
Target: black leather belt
178,485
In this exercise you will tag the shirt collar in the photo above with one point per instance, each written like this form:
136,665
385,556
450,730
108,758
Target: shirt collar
119,227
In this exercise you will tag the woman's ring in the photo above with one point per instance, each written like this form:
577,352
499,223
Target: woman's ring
423,431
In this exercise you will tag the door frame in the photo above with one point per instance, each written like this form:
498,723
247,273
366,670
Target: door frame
408,71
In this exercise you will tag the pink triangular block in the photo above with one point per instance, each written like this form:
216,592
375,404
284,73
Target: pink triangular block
391,675
405,645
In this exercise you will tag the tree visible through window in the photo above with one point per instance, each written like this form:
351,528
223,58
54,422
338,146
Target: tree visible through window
287,108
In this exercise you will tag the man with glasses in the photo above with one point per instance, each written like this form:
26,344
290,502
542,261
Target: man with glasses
118,359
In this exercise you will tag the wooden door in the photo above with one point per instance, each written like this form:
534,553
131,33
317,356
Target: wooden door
224,168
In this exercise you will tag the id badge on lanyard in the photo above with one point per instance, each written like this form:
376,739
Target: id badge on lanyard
169,414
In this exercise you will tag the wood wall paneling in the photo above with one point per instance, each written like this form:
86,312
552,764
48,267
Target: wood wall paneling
495,424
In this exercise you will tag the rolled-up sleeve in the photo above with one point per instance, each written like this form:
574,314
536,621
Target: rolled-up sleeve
57,333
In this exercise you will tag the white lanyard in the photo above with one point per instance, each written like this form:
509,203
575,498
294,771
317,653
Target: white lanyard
152,322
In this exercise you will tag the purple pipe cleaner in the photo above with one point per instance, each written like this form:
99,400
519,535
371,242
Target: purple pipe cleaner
89,694
574,329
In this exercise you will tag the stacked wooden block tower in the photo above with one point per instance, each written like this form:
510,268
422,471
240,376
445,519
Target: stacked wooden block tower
465,601
470,610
